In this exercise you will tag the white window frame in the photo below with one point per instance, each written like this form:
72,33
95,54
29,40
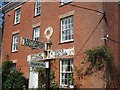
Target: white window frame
15,43
36,33
17,16
67,29
65,72
37,7
65,1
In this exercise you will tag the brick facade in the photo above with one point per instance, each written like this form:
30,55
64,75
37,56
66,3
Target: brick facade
86,35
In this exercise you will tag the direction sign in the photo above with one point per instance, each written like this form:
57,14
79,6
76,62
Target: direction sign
35,57
37,64
60,53
32,43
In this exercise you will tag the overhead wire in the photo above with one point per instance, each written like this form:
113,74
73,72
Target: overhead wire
104,14
89,36
86,8
113,40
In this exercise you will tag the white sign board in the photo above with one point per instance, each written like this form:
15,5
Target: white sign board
35,57
37,64
62,53
32,43
53,54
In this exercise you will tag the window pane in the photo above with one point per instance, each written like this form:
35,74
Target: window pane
17,16
67,71
37,7
36,33
15,42
67,29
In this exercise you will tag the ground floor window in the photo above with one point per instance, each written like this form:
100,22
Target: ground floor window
66,72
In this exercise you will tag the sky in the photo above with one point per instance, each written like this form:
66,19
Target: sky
1,13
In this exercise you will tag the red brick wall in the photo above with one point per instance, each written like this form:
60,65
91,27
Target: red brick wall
112,14
85,22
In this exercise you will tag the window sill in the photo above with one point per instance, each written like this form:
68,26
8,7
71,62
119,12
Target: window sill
16,24
15,51
36,15
66,42
66,87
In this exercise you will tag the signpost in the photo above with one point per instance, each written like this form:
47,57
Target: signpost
47,55
60,53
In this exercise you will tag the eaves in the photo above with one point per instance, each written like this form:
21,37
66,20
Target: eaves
11,5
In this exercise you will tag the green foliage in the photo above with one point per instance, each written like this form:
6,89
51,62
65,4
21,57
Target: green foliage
6,68
53,83
42,78
71,80
11,78
15,80
97,57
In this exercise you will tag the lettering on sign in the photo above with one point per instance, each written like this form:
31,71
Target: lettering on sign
37,64
32,43
35,57
53,54
62,53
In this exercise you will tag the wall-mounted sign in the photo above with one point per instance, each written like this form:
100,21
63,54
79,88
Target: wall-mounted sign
48,32
37,64
32,43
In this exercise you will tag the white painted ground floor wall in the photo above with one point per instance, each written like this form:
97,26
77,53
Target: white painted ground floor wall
33,80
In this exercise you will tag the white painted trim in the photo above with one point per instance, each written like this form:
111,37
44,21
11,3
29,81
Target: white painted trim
61,41
17,16
60,72
13,43
18,7
14,61
33,79
36,8
66,40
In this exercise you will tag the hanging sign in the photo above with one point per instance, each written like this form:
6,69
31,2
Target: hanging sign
37,64
32,43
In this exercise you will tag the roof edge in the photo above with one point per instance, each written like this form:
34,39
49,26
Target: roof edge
11,5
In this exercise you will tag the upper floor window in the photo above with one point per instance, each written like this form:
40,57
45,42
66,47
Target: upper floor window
67,29
37,7
66,72
65,1
17,16
15,43
36,33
